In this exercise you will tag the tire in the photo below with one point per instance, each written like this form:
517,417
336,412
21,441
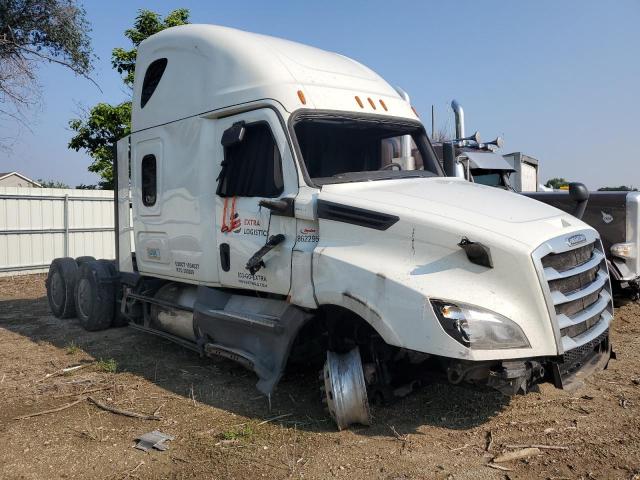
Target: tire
84,259
61,283
119,320
95,296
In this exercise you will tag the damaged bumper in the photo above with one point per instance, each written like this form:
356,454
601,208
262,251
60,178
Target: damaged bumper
575,365
510,377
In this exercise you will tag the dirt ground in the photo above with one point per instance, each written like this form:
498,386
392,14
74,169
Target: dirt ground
223,428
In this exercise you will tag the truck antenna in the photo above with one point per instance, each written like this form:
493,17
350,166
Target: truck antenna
433,121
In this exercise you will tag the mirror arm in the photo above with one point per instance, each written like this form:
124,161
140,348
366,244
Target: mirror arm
283,207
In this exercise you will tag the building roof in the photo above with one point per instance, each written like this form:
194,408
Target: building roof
8,174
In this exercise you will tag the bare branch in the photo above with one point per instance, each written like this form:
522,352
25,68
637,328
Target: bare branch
49,58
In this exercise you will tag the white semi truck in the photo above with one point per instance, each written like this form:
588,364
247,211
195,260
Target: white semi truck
267,212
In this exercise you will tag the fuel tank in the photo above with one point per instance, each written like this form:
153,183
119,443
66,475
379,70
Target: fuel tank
177,321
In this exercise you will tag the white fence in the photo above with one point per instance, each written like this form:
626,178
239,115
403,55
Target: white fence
40,224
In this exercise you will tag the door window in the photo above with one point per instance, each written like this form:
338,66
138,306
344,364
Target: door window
149,180
253,166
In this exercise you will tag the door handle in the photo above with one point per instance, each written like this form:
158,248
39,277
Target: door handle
225,257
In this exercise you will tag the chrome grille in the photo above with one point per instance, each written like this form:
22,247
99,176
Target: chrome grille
577,288
564,261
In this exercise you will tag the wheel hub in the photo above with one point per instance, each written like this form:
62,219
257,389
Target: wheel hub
346,389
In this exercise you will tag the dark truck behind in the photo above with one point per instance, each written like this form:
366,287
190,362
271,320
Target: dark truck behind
614,214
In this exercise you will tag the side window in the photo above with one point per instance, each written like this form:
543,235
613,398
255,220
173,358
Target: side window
151,79
252,167
149,180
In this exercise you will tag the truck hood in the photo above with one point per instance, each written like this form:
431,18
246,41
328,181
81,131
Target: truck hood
510,214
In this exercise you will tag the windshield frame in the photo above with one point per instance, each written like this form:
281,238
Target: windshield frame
422,142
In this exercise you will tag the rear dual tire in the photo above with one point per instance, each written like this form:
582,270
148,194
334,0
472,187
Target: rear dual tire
86,288
95,295
61,283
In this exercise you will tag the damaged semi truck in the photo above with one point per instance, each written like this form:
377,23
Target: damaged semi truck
266,213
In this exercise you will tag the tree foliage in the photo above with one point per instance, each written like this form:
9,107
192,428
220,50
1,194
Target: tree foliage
34,32
147,23
556,183
621,188
104,124
52,184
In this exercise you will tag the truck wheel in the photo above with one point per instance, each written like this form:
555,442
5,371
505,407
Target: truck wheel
119,320
345,389
84,259
60,283
95,296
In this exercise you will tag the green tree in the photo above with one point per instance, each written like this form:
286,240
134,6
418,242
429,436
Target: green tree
621,188
556,183
98,132
52,184
33,32
104,124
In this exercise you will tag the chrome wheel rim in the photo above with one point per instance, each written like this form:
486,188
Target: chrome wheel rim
346,389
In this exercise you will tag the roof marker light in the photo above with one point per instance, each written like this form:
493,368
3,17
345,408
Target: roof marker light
359,102
301,97
372,103
384,105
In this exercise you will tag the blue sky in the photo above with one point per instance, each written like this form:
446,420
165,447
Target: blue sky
558,80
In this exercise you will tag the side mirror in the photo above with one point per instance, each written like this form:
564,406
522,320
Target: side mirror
578,193
233,135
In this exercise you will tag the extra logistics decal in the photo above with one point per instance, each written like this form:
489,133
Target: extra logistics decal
232,223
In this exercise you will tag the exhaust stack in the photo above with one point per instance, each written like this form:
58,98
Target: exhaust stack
459,113
407,158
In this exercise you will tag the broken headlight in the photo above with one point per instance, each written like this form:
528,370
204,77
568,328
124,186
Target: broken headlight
478,328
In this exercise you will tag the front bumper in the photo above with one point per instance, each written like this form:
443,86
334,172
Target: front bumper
567,371
570,370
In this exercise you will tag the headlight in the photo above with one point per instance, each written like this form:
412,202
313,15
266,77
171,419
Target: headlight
623,250
478,328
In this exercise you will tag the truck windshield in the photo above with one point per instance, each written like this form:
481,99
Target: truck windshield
343,148
492,178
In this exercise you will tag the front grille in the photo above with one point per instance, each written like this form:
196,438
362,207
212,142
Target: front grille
580,328
574,282
576,306
576,358
567,260
579,290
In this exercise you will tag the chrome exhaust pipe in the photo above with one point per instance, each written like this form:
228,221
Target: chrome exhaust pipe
405,147
459,113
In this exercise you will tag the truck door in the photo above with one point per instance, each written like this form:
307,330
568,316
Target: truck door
255,190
